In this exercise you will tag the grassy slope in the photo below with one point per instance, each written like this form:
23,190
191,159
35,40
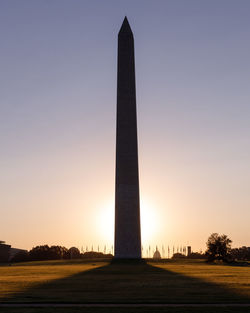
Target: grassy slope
235,278
27,276
173,282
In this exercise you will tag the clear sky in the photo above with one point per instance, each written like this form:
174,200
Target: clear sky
57,120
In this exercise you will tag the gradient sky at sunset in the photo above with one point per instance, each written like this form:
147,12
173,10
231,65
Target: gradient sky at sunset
57,120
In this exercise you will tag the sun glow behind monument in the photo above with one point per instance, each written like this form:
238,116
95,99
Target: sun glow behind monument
150,222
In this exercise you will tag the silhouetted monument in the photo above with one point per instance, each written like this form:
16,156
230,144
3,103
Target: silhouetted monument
157,254
127,202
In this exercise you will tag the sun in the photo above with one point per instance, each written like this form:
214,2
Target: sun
106,222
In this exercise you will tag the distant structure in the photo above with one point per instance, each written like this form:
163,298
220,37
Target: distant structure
15,251
7,253
157,254
189,251
127,202
4,251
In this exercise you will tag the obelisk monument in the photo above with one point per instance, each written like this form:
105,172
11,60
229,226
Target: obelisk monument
127,200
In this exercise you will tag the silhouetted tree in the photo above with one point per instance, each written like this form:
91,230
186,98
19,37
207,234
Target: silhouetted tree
218,247
45,252
178,255
95,255
39,253
196,255
57,252
74,253
242,253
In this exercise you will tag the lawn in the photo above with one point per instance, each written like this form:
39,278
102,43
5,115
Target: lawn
22,278
102,282
234,279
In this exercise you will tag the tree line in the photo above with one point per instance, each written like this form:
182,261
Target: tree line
218,249
45,252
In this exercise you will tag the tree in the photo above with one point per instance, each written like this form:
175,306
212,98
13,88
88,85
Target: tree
48,253
196,255
95,255
242,253
218,247
178,255
57,252
39,253
74,253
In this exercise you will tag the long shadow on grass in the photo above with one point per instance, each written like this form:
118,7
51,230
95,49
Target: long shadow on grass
128,283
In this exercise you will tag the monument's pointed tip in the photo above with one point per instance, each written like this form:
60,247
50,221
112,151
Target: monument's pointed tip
125,28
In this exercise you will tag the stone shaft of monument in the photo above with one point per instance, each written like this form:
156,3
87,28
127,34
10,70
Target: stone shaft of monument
127,200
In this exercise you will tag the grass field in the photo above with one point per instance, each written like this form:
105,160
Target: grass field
101,282
22,279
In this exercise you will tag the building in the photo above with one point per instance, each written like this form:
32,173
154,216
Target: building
7,253
157,254
4,252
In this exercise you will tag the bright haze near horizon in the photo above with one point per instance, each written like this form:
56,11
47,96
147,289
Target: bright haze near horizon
58,63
